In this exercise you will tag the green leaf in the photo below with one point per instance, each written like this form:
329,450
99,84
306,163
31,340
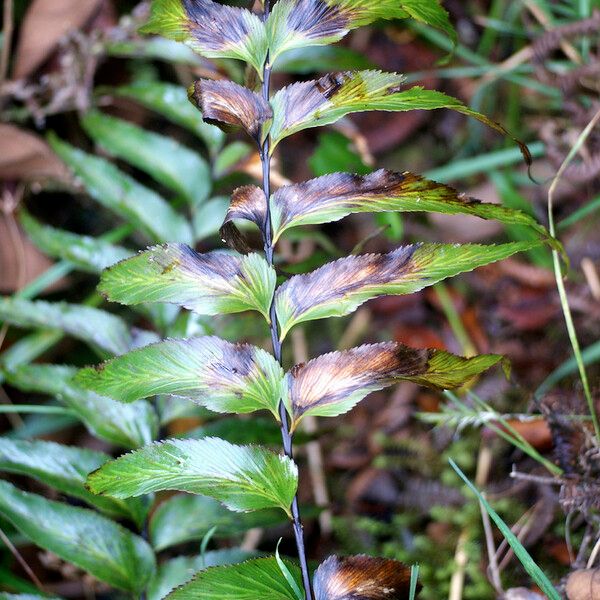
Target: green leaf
27,349
336,196
92,325
528,563
209,217
211,29
209,284
122,194
171,101
228,103
302,23
177,571
127,425
172,408
334,383
231,157
164,159
303,61
333,153
333,197
340,287
260,578
224,377
65,469
93,543
326,100
188,518
255,430
431,12
85,252
244,478
153,48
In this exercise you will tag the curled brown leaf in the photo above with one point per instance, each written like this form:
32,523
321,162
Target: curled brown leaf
225,102
46,22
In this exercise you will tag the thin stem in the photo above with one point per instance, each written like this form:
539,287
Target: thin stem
267,234
21,561
560,284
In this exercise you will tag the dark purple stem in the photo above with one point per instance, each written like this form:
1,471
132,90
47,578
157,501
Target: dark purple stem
267,234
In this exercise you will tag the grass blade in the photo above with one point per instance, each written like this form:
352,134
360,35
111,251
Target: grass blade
526,560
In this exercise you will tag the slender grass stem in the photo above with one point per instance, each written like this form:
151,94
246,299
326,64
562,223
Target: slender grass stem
267,234
560,284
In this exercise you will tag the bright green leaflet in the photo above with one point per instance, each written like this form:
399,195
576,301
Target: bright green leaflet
224,377
333,197
243,478
177,571
317,103
215,31
208,284
260,578
290,25
332,384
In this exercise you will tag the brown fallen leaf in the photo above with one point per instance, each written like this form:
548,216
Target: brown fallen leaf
536,432
20,261
559,551
584,584
26,157
45,23
418,336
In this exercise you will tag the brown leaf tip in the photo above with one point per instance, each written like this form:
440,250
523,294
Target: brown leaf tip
249,203
226,102
362,578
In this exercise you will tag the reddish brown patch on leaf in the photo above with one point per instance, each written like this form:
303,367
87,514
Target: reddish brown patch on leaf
362,578
346,276
332,197
248,203
332,377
